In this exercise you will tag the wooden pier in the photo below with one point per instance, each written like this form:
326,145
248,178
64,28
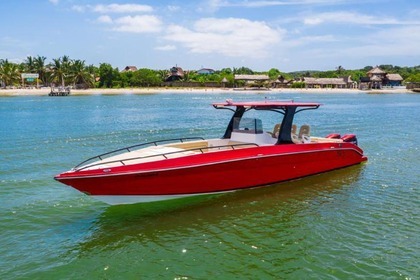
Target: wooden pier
60,91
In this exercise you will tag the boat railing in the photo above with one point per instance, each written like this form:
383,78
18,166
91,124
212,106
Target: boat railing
202,150
130,148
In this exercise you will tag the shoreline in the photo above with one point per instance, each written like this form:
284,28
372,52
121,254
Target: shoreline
111,91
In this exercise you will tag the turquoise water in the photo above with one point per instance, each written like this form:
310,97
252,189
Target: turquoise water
359,222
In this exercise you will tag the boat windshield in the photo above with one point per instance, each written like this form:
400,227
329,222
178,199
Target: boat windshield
248,125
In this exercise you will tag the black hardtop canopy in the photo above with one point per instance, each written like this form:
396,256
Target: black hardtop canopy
268,104
287,108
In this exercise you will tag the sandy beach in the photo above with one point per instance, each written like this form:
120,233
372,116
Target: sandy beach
102,91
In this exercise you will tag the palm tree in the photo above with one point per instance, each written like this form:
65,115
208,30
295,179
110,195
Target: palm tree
29,64
340,69
80,73
59,68
163,74
9,72
94,73
40,68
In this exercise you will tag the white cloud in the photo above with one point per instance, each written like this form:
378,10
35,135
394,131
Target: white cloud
173,8
402,46
122,8
133,24
78,8
54,2
404,41
319,38
104,19
309,42
231,37
345,17
138,24
216,4
313,20
414,12
166,48
212,6
113,8
258,4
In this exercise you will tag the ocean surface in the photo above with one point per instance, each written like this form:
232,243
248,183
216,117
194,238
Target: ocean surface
361,222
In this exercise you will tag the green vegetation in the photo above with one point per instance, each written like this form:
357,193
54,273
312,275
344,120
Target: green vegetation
298,85
409,74
65,71
61,71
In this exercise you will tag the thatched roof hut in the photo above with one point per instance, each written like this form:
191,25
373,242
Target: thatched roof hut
376,79
129,69
376,71
176,74
394,77
281,82
328,82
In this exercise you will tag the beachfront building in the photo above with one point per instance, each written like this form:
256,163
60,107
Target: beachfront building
129,69
393,80
376,76
224,82
251,80
282,82
377,79
175,74
343,82
205,71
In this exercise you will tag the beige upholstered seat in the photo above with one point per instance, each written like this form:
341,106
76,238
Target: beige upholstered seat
304,133
294,128
276,130
295,139
304,130
303,136
294,135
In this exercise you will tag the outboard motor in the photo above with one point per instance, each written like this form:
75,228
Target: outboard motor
350,138
333,136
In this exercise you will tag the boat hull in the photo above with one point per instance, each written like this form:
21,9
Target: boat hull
212,172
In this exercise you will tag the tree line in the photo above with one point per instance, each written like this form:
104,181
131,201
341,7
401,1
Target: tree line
60,71
76,73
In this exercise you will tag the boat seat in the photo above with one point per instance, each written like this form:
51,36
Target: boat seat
294,128
295,139
303,136
304,130
276,130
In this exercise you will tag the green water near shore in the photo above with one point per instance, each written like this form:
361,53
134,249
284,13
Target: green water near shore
358,222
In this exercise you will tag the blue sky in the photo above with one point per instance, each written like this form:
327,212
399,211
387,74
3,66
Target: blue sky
288,35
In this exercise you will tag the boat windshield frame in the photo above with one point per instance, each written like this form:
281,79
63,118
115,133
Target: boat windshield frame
287,108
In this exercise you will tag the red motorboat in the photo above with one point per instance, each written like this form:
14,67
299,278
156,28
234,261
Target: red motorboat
245,157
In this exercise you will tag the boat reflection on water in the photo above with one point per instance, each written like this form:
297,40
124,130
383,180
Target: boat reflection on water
279,203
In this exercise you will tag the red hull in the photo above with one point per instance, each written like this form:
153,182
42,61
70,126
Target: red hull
214,172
